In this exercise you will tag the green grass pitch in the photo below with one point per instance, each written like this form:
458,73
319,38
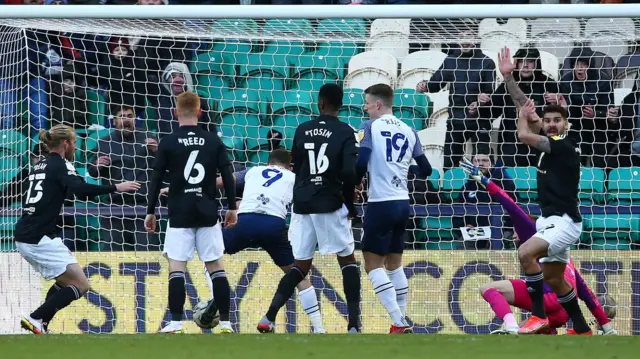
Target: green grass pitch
279,346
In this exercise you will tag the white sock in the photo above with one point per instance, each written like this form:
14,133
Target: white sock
310,305
401,285
386,294
510,321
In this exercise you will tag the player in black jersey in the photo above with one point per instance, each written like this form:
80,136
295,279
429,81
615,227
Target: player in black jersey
324,157
560,224
191,158
49,181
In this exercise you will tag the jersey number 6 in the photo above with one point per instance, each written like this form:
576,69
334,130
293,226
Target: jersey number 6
317,164
193,165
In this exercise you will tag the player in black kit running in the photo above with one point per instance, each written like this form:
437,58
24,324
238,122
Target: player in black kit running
49,181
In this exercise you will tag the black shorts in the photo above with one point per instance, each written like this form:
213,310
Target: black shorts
255,230
384,227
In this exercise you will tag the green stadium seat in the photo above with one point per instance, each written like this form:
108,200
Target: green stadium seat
211,87
232,136
310,71
241,101
352,110
96,107
592,185
290,48
288,27
435,179
612,231
356,28
229,28
289,109
525,180
453,181
212,63
264,71
343,51
624,185
257,137
14,142
91,142
411,107
9,167
257,158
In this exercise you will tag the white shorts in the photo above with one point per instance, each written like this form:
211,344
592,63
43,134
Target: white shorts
181,243
50,257
330,231
560,233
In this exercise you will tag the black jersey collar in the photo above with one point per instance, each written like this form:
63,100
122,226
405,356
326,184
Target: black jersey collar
328,117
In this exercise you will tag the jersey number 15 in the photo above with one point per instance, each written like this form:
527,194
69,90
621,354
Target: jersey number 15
392,144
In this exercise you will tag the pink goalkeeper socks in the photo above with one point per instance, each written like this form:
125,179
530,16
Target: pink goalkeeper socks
500,306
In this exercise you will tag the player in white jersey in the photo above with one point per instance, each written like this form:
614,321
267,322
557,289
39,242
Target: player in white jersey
267,195
387,146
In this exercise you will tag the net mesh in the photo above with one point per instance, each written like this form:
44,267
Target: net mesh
258,80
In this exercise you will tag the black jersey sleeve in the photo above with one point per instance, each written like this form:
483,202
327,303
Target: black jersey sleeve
561,146
159,170
349,159
82,190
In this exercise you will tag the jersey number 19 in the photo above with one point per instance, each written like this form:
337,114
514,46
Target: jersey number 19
392,144
318,164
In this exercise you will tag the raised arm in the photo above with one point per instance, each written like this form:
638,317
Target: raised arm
506,66
526,114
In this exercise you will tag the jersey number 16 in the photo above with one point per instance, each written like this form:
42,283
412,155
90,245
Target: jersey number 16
317,164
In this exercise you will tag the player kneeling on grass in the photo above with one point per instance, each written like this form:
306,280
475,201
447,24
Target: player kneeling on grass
268,191
501,294
49,181
191,158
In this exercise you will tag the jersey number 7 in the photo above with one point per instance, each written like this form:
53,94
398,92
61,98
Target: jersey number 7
317,164
392,144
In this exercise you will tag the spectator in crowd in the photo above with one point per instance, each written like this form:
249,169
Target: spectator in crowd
125,83
68,99
126,155
593,117
177,79
541,89
474,194
471,78
628,146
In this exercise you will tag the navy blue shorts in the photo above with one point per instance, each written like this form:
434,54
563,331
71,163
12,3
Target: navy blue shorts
255,230
384,227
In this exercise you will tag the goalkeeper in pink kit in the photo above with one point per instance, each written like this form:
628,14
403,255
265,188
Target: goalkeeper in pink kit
502,294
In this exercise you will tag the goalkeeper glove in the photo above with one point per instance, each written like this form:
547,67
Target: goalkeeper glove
474,172
606,329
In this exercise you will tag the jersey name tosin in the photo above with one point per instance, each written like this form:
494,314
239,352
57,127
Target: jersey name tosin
318,132
191,141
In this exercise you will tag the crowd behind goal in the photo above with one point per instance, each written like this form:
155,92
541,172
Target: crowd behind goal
119,94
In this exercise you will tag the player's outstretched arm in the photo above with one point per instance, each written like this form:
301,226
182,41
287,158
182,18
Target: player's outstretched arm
586,295
83,190
523,225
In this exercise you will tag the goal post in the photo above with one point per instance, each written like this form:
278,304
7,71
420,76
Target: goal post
258,69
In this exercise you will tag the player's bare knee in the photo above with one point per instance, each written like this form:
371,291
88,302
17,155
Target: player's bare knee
214,266
303,265
305,284
346,260
393,261
486,287
177,266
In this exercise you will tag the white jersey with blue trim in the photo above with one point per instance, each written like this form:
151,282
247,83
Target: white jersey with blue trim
267,190
393,145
